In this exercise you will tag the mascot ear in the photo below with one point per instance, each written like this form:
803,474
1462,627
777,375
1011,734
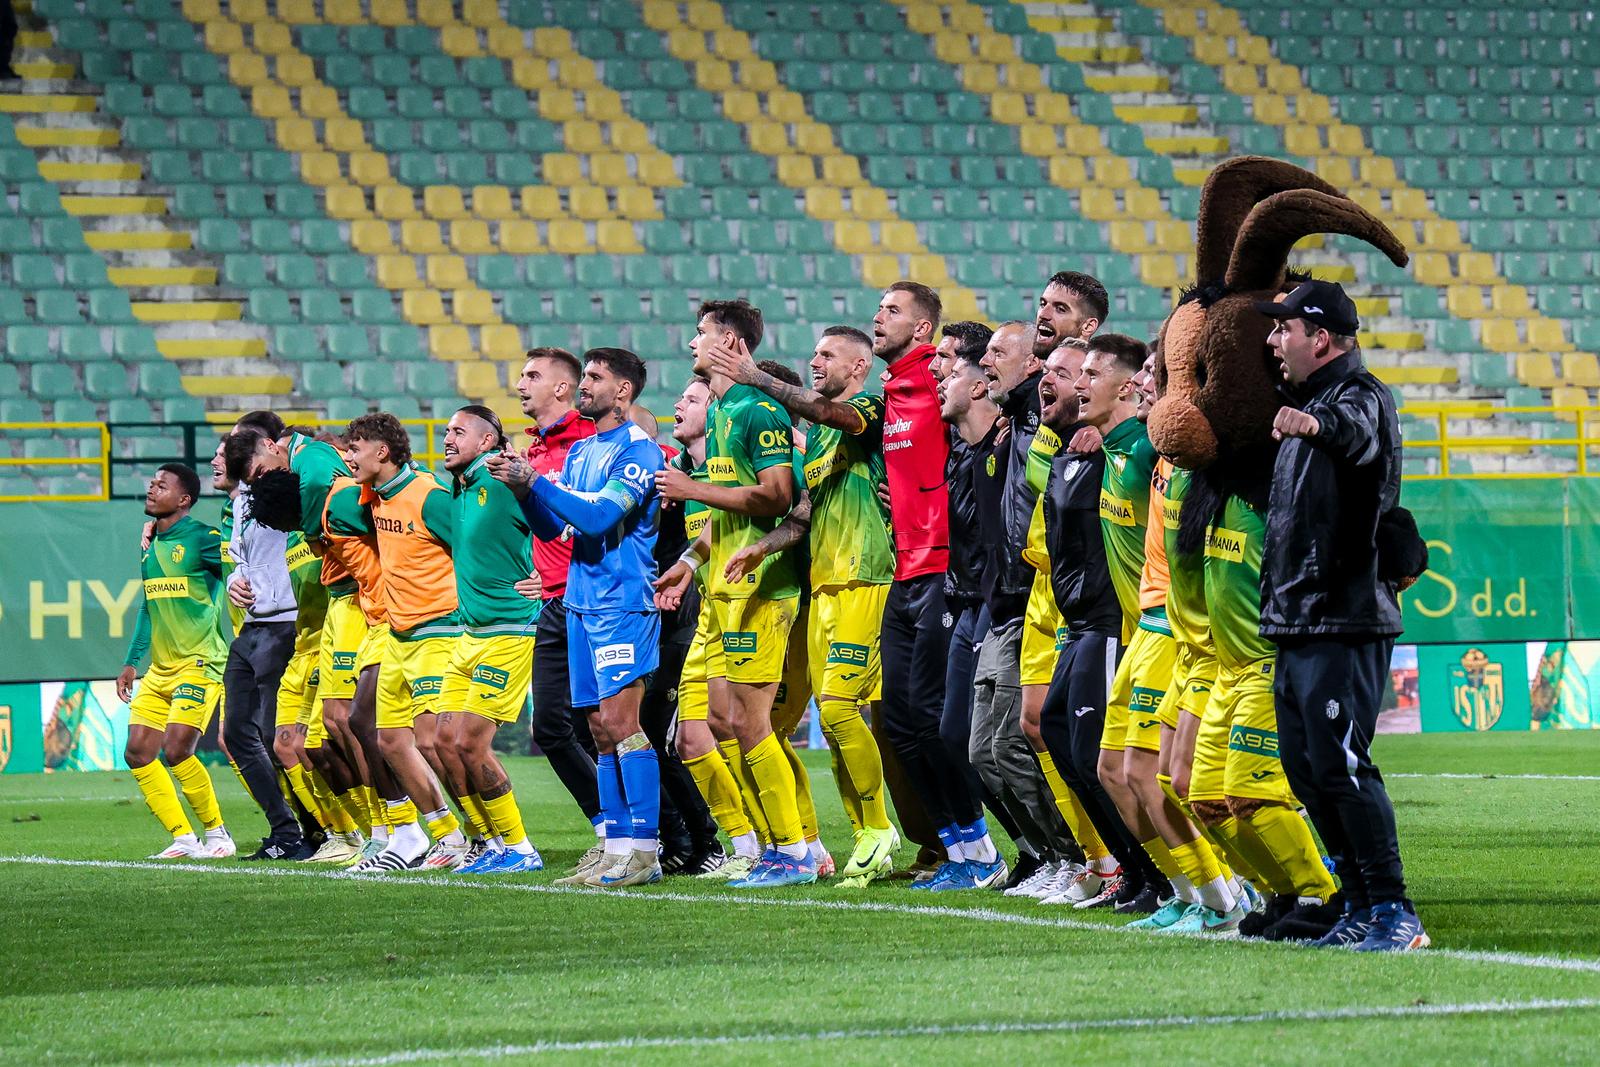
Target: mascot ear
1231,190
1261,252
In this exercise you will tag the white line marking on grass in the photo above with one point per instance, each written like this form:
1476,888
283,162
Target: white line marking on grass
986,915
1489,776
1060,1026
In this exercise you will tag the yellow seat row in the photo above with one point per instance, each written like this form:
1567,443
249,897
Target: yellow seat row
1539,369
1305,140
856,238
828,202
1471,268
425,307
500,342
494,202
1102,205
800,172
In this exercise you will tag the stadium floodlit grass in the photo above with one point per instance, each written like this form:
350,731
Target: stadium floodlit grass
112,959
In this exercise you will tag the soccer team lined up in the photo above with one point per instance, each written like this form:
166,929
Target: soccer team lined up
958,540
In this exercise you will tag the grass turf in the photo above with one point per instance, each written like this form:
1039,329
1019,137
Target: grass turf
230,963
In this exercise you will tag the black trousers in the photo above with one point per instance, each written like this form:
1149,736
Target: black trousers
955,725
560,730
250,685
915,646
1328,694
1071,723
657,714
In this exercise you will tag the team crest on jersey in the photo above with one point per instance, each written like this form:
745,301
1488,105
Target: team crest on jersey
988,467
178,552
1332,709
483,495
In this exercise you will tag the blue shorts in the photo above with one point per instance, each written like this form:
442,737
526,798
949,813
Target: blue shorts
609,651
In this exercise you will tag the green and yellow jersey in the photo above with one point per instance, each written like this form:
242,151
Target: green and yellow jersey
225,528
1186,588
1233,585
696,514
493,551
179,619
748,434
318,464
310,595
849,539
1041,452
1124,512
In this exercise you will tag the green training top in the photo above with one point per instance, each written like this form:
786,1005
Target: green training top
849,538
493,552
748,434
1125,510
1186,586
1233,585
318,464
179,618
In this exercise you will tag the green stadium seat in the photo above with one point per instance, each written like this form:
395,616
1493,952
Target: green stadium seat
269,307
323,381
321,307
50,381
105,380
400,342
373,306
321,237
373,379
57,307
109,307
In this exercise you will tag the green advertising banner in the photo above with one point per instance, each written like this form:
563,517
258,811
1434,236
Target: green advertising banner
1473,687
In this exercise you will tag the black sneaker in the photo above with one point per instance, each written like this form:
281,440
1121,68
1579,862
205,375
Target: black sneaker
264,853
277,848
1024,869
301,850
1307,921
705,862
1143,902
673,861
1255,924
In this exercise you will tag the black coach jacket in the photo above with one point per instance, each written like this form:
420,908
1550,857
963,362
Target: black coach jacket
1017,498
1079,574
963,582
1320,574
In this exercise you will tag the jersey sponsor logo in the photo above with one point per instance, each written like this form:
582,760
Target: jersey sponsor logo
721,469
617,655
1061,638
178,552
1225,544
189,693
1255,742
493,677
1170,511
822,466
1081,712
166,588
988,466
1149,724
1145,698
299,556
1116,510
897,427
423,687
617,676
388,525
845,652
772,441
745,641
693,524
344,661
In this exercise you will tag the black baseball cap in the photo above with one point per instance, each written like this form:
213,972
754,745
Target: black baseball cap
1321,303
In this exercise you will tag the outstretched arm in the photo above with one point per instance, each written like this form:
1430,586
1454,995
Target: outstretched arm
733,359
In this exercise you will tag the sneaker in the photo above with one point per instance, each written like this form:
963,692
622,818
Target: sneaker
390,860
1351,929
1277,907
873,856
735,869
1253,901
988,875
826,868
218,844
443,857
702,864
1109,888
182,850
1309,920
1085,885
948,871
1030,886
1143,902
273,848
675,861
1054,891
336,849
591,863
1025,867
1169,913
368,850
638,867
1199,919
1395,928
477,848
777,870
587,861
483,863
513,862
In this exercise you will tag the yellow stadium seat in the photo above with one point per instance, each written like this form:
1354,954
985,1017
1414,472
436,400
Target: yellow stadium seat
1038,140
627,136
1534,368
1465,301
420,237
1010,108
518,237
297,12
1303,140
609,169
1172,235
295,70
1142,203
930,269
370,168
343,12
769,138
1052,108
1112,172
1409,203
1068,172
502,342
1347,140
785,105
798,172
528,72
224,38
247,69
398,272
444,202
345,135
1281,79
423,307
880,272
824,202
1159,271
247,10
1570,396
389,12
588,202
459,41
813,139
853,236
320,168
200,10
394,202
870,203
655,171
1272,109
446,272
568,237
899,236
1432,268
583,136
686,44
1581,368
841,170
1084,141
551,41
492,202
1501,335
271,38
478,380
980,78
1098,204
1310,107
437,13
370,236
1241,80
730,44
637,202
1129,235
1335,170
1370,199
271,101
542,202
558,105
297,135
320,102
1510,300
562,169
617,237
346,202
1476,268
1379,171
473,307
470,237
1548,336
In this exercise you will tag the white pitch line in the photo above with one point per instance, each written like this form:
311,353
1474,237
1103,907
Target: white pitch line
1060,1026
985,915
1489,776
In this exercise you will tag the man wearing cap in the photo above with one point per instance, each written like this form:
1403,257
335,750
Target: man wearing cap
1330,604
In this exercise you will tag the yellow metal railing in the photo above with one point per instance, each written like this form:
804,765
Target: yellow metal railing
1584,437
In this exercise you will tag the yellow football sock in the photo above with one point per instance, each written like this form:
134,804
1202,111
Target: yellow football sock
1289,839
300,782
472,806
1162,857
775,781
162,796
196,782
1165,782
506,818
847,789
749,794
1072,810
721,792
339,820
857,752
1228,857
1258,856
377,810
400,812
804,801
443,823
1197,862
355,811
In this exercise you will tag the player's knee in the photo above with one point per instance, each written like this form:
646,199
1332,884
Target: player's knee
176,752
137,755
1211,812
1111,775
1180,783
1244,807
283,748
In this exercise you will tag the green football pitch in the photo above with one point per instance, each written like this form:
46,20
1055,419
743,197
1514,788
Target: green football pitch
108,958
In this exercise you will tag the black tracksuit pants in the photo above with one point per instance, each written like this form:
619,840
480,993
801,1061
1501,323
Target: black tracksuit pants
256,661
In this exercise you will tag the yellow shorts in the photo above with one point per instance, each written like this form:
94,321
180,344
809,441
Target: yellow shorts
702,662
411,679
373,644
1253,768
297,690
489,676
755,637
1194,675
842,642
1133,718
794,692
1043,633
187,696
343,632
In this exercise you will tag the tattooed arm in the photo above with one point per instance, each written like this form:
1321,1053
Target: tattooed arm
734,360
